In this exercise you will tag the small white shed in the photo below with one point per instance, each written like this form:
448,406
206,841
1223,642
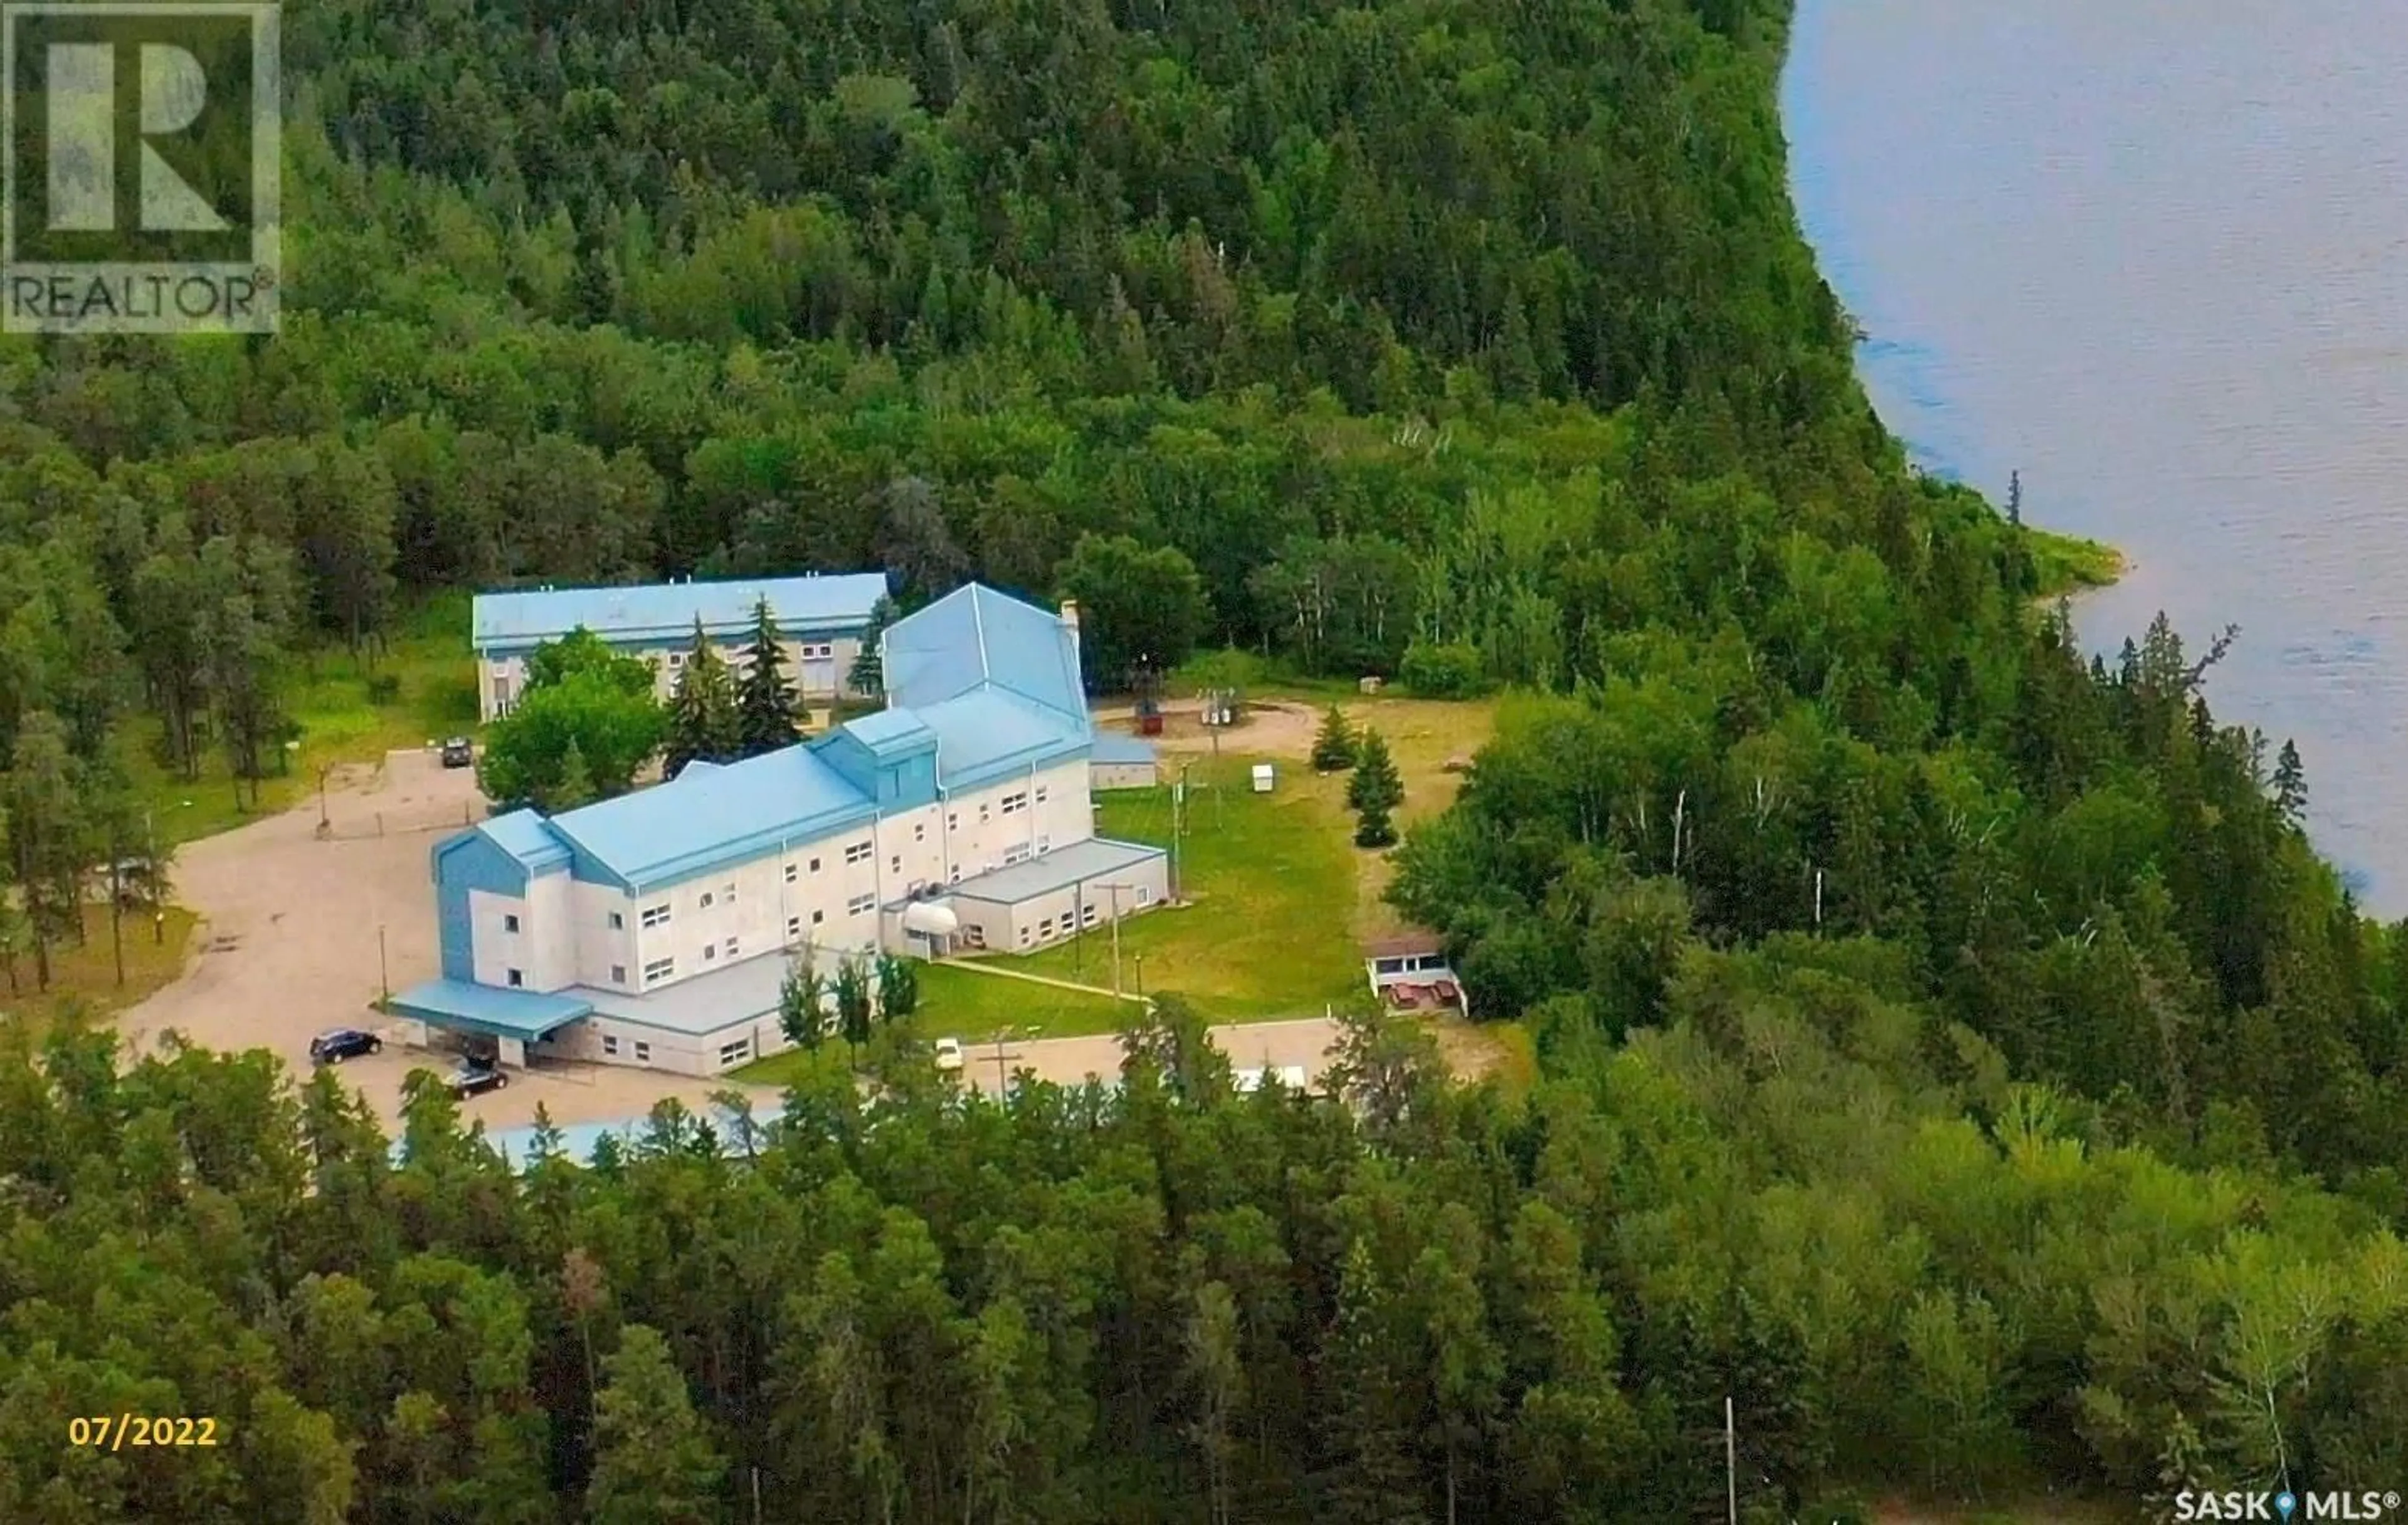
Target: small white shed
1264,778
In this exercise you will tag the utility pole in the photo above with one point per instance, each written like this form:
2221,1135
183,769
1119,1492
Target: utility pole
1115,888
384,981
1140,976
1730,1456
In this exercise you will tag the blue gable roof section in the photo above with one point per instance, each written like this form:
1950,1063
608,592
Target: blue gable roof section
709,818
975,638
663,614
474,861
991,734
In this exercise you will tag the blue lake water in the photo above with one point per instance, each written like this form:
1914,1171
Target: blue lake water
2154,256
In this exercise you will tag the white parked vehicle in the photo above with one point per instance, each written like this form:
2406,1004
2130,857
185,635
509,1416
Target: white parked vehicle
949,1053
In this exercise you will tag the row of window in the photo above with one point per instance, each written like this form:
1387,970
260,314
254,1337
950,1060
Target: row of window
730,1055
1050,927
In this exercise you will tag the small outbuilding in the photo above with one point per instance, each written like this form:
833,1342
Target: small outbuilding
1121,762
1410,972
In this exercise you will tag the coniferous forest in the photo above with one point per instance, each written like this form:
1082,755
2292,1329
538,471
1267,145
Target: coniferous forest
1951,1052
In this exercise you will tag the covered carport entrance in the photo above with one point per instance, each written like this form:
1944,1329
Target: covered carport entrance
488,1022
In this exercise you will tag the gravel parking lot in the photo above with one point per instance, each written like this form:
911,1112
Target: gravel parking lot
294,926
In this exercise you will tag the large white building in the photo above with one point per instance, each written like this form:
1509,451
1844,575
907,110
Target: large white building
821,621
655,929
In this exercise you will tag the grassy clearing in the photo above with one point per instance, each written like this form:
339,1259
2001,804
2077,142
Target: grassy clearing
88,973
970,1005
1271,877
345,716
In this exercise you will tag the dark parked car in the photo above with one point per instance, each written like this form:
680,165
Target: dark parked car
343,1043
475,1077
457,753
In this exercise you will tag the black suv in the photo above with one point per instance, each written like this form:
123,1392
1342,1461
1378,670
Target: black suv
473,1077
342,1043
457,753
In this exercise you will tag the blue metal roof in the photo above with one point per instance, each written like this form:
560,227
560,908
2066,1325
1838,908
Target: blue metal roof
526,837
667,610
707,816
1113,747
975,637
890,730
988,733
463,1005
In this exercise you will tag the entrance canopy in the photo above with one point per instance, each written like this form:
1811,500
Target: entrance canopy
494,1011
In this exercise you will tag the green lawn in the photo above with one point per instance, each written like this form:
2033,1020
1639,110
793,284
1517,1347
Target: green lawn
434,696
87,975
970,1005
1272,879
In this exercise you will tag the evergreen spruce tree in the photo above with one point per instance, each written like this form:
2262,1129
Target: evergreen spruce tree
867,676
653,1459
1374,827
766,713
576,785
1376,782
702,712
2291,784
1333,748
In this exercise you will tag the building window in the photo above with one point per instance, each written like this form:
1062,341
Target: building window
860,904
1014,803
610,1045
1087,915
1041,794
510,924
818,916
794,926
815,865
705,902
1144,894
516,979
953,820
618,974
709,952
894,864
956,876
1025,938
659,970
643,1052
731,947
858,853
1016,853
676,659
657,915
919,832
1045,844
734,1053
1045,928
617,922
982,809
729,895
791,874
818,651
